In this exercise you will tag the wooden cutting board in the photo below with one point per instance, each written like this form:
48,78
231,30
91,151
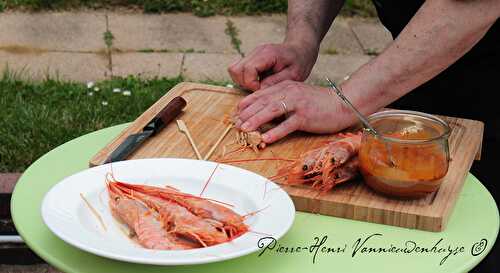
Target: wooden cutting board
207,106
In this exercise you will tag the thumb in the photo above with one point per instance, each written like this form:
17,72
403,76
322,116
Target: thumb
283,75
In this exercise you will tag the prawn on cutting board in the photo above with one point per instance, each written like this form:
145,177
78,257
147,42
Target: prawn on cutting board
327,166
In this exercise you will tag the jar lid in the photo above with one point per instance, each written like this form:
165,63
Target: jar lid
406,122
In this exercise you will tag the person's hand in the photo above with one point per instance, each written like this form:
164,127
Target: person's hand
284,61
308,108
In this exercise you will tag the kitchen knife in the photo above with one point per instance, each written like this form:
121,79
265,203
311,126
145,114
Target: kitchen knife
132,142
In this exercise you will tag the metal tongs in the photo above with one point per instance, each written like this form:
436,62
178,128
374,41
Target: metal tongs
363,120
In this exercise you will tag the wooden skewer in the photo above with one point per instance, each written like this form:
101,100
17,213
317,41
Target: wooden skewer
94,211
212,150
183,128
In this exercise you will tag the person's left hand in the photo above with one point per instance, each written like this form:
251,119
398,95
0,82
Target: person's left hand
308,108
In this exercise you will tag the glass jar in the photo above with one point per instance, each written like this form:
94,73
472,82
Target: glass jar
411,159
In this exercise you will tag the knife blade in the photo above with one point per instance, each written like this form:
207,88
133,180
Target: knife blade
132,142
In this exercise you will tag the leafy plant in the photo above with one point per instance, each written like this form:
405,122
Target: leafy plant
232,32
108,38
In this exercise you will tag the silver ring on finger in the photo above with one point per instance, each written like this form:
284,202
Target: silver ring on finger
285,109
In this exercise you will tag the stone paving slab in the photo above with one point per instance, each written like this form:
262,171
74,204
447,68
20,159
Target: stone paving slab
336,67
340,39
257,30
65,66
374,37
199,67
169,32
147,65
61,31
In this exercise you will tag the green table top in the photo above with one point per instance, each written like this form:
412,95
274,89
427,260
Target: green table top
471,232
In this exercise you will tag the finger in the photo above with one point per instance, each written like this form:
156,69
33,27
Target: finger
254,67
286,127
250,77
235,70
269,112
284,75
250,111
250,99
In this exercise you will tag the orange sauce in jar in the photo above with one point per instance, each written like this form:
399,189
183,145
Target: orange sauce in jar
419,165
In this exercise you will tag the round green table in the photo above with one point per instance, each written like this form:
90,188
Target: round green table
346,245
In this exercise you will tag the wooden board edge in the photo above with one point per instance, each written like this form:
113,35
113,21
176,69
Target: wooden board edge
453,200
475,122
368,214
178,90
97,160
445,213
479,150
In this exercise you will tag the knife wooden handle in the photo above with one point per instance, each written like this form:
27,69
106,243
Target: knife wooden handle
172,110
166,115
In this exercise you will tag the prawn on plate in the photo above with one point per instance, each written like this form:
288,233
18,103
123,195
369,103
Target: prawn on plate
167,219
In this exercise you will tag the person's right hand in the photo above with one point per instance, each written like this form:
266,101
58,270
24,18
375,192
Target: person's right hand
284,61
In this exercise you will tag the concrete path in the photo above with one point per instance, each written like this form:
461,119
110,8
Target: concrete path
78,45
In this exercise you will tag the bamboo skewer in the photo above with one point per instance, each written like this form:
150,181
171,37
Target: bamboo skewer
183,128
212,150
94,211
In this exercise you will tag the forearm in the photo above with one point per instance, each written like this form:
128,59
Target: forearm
439,34
309,21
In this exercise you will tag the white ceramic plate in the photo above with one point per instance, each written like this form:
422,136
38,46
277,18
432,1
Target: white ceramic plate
67,215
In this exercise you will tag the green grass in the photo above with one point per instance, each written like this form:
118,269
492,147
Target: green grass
39,116
198,7
331,51
108,38
232,32
146,50
371,52
364,8
165,50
